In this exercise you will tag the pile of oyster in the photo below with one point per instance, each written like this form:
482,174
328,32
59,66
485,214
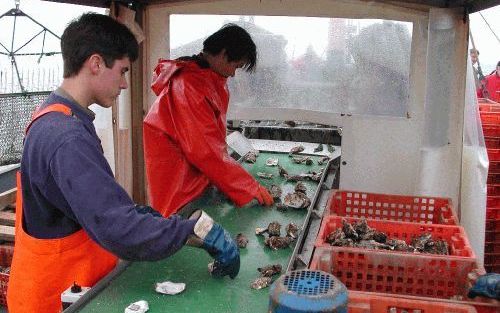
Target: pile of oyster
361,235
275,241
297,199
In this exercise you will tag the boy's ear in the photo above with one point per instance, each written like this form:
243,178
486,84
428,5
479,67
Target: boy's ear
95,62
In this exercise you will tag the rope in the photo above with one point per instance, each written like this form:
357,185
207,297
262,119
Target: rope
489,27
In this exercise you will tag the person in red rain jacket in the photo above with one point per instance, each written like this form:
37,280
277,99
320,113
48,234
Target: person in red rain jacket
185,129
491,88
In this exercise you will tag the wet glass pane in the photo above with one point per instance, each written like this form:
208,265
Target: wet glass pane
357,66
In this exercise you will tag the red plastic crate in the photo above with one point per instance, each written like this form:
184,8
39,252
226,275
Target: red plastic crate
493,178
366,302
493,154
492,235
492,142
6,253
490,117
491,259
494,167
401,275
455,236
492,225
492,247
493,189
492,268
493,202
417,209
491,130
492,213
489,107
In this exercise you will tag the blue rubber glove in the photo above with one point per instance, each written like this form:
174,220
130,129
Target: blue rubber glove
487,285
218,243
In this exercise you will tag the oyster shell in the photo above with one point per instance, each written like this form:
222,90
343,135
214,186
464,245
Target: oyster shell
292,230
275,191
265,175
282,171
261,282
297,200
276,242
296,150
270,270
300,187
281,207
319,148
272,161
241,240
302,160
323,160
274,229
250,157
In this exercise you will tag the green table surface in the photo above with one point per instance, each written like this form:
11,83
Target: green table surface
204,293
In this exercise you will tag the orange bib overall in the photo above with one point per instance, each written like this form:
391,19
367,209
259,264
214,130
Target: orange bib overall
43,268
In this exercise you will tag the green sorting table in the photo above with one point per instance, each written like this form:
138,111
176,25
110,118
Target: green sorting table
204,293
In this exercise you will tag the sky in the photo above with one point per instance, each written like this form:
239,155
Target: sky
43,12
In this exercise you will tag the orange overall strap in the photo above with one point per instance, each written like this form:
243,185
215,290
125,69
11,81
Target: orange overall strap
56,107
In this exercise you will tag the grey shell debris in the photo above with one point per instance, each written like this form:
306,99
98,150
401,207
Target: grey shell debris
241,240
272,162
292,230
265,175
274,229
251,157
276,242
270,270
261,282
275,191
296,150
297,200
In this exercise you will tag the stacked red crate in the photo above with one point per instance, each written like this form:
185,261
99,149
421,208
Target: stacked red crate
490,118
402,275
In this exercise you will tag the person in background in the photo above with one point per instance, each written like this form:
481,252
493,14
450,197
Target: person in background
73,220
185,129
491,83
478,73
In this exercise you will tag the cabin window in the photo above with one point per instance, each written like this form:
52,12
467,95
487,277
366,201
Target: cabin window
335,65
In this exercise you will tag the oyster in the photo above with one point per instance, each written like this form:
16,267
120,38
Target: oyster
260,231
297,200
292,230
331,148
241,240
265,175
425,243
296,150
261,282
272,162
274,229
282,171
300,187
302,160
276,242
250,157
319,148
270,270
275,191
281,207
323,160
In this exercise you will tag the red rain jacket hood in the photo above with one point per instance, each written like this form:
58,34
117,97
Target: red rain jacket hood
184,139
